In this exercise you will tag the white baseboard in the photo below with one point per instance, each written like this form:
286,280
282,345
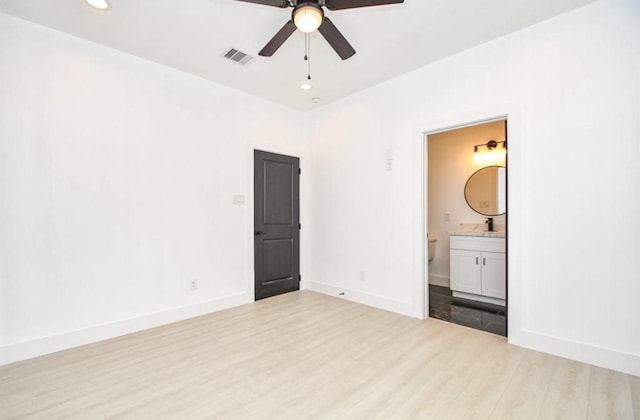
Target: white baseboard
363,298
51,344
439,280
599,356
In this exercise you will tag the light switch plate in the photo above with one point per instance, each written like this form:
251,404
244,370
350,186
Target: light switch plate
238,199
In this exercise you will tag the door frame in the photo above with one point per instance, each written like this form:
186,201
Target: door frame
510,112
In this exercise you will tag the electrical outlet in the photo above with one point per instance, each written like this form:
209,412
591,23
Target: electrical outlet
193,285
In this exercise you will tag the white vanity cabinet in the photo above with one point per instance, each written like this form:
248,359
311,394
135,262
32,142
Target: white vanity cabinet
478,268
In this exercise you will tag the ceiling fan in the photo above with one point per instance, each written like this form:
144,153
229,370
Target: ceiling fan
308,16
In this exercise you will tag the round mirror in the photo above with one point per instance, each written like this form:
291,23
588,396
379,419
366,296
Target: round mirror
486,190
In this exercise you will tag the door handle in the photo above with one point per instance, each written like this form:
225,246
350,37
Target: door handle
259,232
476,260
483,261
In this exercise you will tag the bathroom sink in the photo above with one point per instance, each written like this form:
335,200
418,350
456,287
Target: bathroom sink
467,233
496,234
478,233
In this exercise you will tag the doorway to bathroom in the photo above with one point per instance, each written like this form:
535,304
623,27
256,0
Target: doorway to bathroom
467,225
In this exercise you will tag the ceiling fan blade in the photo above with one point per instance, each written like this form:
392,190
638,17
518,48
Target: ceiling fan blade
275,3
278,39
352,4
335,39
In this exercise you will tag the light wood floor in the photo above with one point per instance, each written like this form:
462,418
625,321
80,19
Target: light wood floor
306,355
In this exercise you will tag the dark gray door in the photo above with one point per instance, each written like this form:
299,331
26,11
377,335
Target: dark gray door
276,223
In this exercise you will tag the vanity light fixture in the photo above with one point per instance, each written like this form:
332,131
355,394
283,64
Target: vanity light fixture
99,4
492,153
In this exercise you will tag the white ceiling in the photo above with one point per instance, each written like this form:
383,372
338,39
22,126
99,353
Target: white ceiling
192,35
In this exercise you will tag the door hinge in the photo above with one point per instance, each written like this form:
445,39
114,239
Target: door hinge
299,226
299,171
299,278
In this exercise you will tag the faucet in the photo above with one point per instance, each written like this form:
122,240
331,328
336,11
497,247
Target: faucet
489,222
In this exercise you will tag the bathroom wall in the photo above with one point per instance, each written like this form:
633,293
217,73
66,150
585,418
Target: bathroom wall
450,162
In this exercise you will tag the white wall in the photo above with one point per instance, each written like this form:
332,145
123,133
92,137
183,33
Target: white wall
450,163
571,89
117,179
117,176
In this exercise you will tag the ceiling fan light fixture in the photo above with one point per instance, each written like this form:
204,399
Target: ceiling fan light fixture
308,17
99,4
306,86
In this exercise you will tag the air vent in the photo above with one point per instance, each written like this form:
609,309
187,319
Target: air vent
237,56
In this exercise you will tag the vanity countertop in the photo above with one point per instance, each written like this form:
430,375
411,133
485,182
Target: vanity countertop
483,233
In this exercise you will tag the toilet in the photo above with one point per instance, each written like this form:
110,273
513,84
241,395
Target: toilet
432,246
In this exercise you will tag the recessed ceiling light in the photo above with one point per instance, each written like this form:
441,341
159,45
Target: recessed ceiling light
99,4
306,86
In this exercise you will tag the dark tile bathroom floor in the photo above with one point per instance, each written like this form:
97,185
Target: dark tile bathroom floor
481,316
